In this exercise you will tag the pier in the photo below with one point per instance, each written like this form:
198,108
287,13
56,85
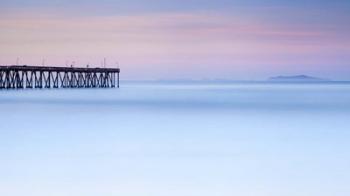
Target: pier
29,77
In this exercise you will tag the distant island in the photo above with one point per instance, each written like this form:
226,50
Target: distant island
297,78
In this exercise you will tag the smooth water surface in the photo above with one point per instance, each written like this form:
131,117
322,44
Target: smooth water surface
161,139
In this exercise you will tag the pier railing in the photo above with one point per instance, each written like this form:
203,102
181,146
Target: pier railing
20,77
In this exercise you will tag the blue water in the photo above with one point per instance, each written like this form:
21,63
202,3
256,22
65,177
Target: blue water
172,139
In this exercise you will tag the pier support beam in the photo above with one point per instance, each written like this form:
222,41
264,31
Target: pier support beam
19,77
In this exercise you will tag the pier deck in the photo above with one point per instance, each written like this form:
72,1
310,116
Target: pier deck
23,76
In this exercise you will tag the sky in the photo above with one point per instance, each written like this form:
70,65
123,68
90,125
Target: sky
192,39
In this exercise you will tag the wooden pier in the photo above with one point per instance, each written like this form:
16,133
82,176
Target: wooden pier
28,77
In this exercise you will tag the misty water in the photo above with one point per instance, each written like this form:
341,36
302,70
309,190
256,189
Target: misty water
177,139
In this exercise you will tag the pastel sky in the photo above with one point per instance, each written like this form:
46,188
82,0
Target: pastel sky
183,39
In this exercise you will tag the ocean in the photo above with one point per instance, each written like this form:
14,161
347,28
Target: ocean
177,139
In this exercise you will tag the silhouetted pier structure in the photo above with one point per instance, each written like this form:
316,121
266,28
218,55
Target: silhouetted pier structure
21,77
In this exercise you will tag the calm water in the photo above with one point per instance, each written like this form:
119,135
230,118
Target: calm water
154,139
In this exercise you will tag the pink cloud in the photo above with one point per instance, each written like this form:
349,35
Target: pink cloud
172,41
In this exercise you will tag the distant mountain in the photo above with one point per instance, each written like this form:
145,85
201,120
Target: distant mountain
297,78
